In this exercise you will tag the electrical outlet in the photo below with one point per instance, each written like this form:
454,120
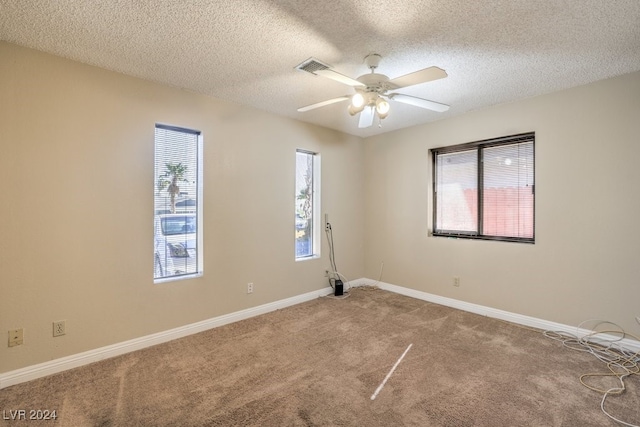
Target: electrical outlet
249,288
456,282
326,273
16,337
59,328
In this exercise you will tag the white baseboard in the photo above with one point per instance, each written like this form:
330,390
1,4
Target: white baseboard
59,365
533,322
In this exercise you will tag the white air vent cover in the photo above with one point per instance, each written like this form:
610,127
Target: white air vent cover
312,65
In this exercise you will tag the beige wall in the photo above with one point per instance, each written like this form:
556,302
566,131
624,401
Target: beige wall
76,170
585,263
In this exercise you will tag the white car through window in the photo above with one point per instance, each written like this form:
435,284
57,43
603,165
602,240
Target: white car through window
175,245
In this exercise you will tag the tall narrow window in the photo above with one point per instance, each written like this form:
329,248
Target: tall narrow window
307,205
485,189
177,203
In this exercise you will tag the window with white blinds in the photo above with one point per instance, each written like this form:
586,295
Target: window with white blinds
177,203
486,189
307,205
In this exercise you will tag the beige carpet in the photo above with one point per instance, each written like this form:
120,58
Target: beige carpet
319,363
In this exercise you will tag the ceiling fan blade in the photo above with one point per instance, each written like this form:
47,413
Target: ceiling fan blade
417,77
419,102
323,103
366,117
334,75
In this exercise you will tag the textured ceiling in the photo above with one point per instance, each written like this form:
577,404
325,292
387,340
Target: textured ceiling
245,51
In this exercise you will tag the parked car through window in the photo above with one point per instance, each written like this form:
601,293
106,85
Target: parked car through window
175,245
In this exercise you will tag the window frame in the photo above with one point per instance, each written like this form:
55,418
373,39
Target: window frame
315,206
198,208
479,146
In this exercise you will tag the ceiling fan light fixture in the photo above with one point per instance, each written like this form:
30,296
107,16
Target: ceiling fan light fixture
382,107
358,101
353,110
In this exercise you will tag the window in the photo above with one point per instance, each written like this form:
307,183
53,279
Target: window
307,205
177,203
485,189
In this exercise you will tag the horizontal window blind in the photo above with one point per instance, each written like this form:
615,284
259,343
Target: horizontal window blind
486,189
305,204
507,196
176,202
457,191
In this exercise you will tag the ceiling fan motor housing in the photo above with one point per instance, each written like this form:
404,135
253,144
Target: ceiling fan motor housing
375,85
372,60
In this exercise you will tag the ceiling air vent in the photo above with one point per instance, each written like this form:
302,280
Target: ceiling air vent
312,65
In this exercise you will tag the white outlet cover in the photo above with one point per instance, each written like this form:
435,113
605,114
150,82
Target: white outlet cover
59,328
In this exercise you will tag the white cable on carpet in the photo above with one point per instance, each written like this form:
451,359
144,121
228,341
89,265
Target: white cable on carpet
374,395
621,362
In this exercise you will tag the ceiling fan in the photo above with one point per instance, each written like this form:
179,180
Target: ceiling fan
373,89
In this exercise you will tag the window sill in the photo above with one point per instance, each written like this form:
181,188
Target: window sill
176,278
307,258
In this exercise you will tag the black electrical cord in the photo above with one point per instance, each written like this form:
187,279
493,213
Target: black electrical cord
332,255
335,275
